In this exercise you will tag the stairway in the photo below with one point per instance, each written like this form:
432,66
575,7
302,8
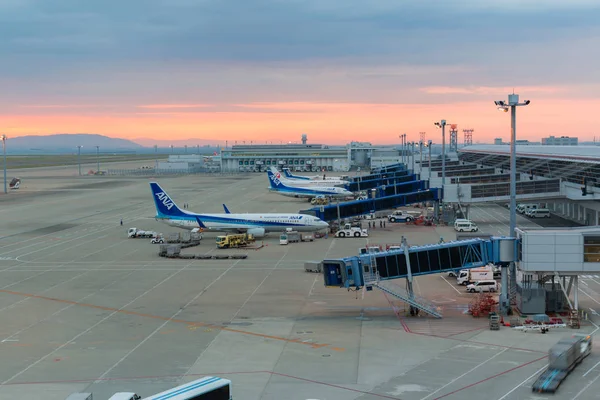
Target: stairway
399,292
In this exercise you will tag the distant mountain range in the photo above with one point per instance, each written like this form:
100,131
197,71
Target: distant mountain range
67,144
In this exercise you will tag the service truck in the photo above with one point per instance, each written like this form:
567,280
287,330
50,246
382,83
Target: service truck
235,240
401,216
138,233
467,276
289,236
351,231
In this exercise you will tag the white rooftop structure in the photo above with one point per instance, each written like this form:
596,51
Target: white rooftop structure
582,154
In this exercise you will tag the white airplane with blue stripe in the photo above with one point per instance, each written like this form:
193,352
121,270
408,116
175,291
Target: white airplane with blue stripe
278,186
288,174
254,224
306,183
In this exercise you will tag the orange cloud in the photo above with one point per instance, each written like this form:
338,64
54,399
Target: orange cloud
324,122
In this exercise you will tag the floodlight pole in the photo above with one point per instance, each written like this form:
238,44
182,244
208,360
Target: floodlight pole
79,158
156,157
3,137
513,103
430,143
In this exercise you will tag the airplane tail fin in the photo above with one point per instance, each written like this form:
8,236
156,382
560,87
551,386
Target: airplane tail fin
165,206
274,180
226,209
287,173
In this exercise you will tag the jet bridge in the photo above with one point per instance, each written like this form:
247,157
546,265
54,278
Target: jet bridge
357,186
362,207
382,270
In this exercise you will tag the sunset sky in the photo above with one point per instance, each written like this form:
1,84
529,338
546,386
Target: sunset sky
270,70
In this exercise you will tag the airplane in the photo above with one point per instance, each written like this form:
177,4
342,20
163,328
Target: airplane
255,224
306,183
278,186
288,174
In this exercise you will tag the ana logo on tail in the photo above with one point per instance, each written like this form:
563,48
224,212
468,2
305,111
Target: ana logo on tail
164,198
275,179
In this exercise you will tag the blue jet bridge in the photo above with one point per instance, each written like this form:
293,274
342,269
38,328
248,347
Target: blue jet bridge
382,269
355,208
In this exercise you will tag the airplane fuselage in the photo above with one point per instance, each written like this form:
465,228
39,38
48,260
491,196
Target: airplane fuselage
244,222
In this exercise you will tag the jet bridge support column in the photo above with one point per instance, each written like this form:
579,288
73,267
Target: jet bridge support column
576,292
409,278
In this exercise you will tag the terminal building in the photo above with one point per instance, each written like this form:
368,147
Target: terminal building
566,179
307,157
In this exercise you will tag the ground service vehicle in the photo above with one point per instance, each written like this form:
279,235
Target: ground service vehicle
488,285
524,207
467,276
307,237
207,388
563,357
238,240
138,233
289,237
400,216
465,225
352,232
538,213
319,200
158,239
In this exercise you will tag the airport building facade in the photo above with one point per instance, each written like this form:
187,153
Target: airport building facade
564,179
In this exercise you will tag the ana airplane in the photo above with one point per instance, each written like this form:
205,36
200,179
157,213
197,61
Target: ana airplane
288,174
255,224
304,182
278,186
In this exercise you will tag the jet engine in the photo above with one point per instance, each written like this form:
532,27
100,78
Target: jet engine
257,232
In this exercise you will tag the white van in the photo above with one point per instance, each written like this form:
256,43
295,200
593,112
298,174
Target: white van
523,208
465,226
483,286
538,213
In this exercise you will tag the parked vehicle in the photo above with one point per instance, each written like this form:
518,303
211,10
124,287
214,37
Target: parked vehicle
159,239
236,240
352,232
138,233
523,207
465,225
467,276
538,213
400,216
289,237
488,285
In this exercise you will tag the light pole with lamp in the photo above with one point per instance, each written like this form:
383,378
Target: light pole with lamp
420,157
429,143
4,137
79,158
513,103
412,156
442,124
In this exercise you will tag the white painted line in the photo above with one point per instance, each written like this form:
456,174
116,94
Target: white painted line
88,329
466,373
591,369
522,383
586,387
593,311
451,285
99,379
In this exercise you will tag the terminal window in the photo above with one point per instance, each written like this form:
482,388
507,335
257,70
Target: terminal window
591,249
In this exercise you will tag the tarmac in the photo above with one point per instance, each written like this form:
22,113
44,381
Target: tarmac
84,308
